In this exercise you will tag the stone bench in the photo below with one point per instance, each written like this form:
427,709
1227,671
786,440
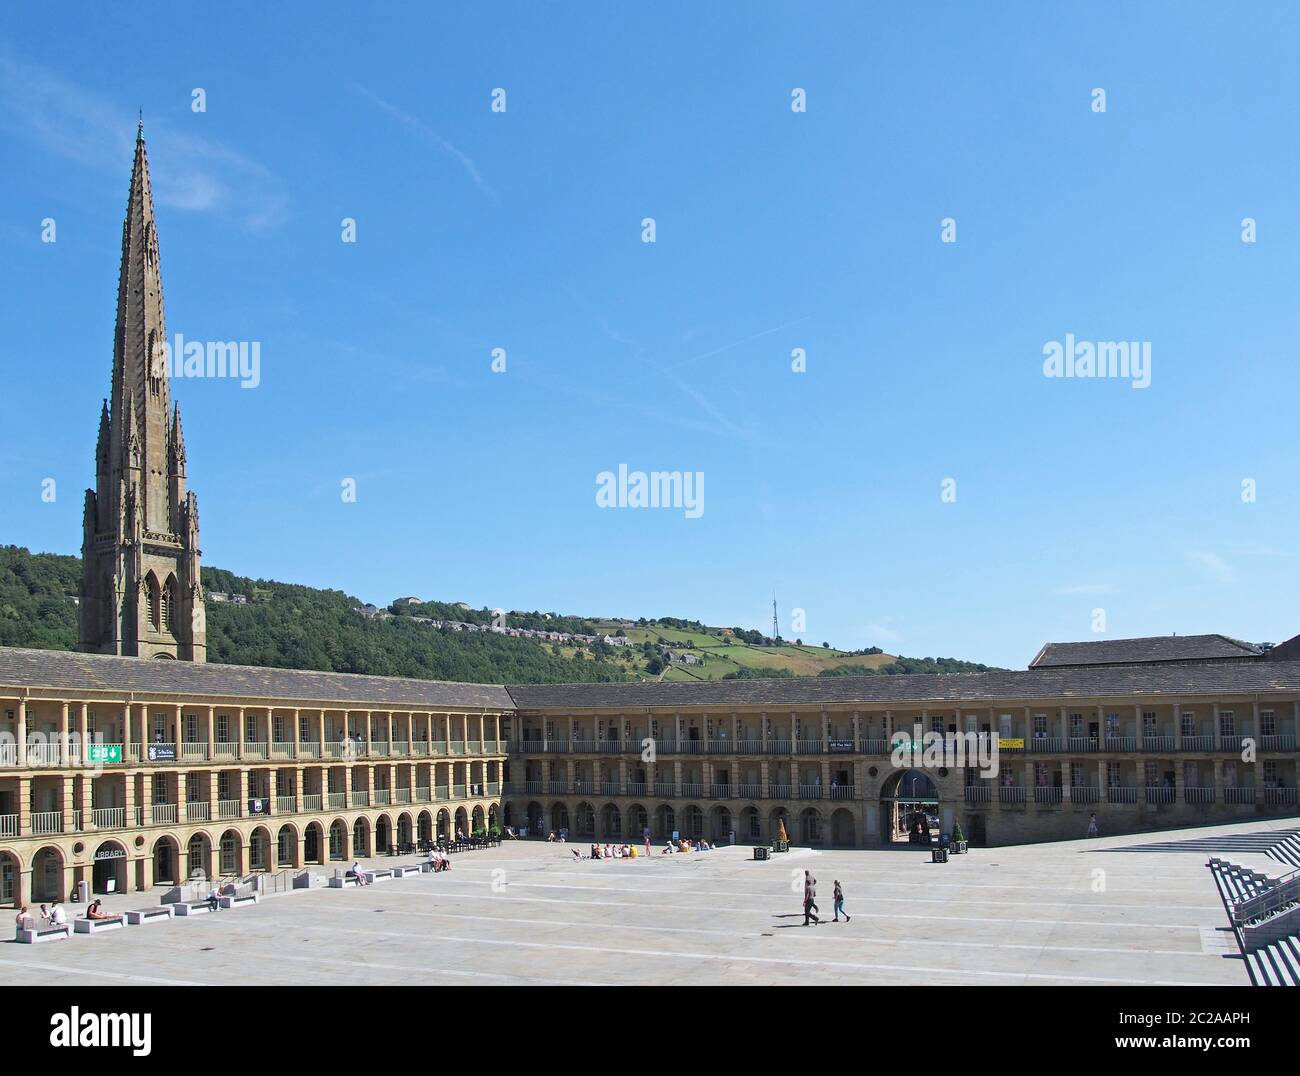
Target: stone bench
193,907
82,925
33,935
338,881
142,916
407,868
238,901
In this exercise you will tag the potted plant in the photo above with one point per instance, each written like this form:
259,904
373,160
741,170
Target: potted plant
781,843
958,837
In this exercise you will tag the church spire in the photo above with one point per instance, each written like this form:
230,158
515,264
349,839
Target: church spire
140,553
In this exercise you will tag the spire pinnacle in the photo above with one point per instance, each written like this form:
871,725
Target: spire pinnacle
139,128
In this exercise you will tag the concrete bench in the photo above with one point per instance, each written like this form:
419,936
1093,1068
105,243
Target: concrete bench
33,935
338,881
238,901
381,875
142,916
193,907
407,868
82,925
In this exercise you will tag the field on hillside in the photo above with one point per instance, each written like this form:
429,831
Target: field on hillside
724,655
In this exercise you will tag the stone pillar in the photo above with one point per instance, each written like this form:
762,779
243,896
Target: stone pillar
320,738
1178,731
1066,765
212,733
83,728
63,734
24,805
20,733
857,731
240,732
1141,735
67,789
297,731
1218,778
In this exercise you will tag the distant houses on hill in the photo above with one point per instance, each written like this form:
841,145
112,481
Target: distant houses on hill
373,612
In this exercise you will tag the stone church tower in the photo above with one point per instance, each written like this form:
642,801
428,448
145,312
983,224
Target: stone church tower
140,592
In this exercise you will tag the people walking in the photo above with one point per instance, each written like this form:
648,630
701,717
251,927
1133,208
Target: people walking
1092,826
839,903
809,898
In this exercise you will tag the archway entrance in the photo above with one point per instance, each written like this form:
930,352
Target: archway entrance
165,861
909,808
109,872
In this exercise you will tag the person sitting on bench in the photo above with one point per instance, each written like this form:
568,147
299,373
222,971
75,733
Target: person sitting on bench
214,898
96,910
356,873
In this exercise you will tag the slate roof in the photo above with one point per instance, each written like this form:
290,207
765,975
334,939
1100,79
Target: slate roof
1174,680
1151,649
100,672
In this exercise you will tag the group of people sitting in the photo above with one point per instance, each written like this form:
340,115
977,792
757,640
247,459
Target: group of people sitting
439,859
608,851
53,915
685,845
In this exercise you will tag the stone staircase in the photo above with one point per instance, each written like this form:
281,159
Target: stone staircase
1265,917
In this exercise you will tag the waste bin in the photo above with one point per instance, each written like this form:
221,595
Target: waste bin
83,891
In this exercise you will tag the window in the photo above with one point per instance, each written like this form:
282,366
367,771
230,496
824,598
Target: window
1076,725
223,728
1112,724
1230,774
223,785
1270,775
303,730
278,723
1150,773
160,788
250,728
936,724
159,728
1226,723
192,794
1267,723
1188,722
1040,725
191,728
1149,723
1112,775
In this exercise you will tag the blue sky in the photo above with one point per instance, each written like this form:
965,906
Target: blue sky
775,230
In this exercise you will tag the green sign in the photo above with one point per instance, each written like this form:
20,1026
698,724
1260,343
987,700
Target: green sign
106,752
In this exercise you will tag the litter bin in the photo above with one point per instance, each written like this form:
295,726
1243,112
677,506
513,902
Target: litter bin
760,852
938,855
83,891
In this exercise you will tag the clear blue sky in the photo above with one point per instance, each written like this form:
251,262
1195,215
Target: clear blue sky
775,230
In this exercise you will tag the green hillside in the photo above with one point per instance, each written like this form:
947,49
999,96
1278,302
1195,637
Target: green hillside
298,627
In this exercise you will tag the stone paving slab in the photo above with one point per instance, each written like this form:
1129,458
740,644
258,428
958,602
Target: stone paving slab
1075,912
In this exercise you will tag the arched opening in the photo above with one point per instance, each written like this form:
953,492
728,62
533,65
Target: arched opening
198,857
47,875
424,826
751,825
586,820
843,829
404,832
361,838
383,835
259,850
536,819
338,840
909,808
665,821
779,817
313,843
494,817
153,599
229,849
108,872
444,825
166,861
559,819
170,604
611,821
462,823
693,822
720,825
10,873
810,826
638,822
286,847
476,821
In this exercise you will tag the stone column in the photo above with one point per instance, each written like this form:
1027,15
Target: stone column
1178,729
240,732
83,728
212,733
1218,779
1066,765
24,806
1141,735
63,734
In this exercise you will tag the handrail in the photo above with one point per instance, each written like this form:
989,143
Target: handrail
1280,892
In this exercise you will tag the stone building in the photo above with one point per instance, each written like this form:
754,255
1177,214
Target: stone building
141,594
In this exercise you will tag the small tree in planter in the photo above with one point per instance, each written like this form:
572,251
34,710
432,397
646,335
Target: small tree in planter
958,837
781,843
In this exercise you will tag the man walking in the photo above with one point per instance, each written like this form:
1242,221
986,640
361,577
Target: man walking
1092,826
809,898
839,903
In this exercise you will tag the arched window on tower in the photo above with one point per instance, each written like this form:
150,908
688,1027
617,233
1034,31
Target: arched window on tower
108,608
153,599
170,605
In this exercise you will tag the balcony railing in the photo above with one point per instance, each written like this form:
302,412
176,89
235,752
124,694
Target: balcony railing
1279,795
313,801
1244,794
1278,742
1053,744
749,747
1160,794
1198,795
692,790
809,747
1085,793
8,755
978,793
225,751
721,747
282,749
382,797
841,792
1047,794
609,788
424,794
1231,742
1198,743
198,811
1121,743
399,749
1161,744
1011,793
460,791
810,792
360,797
778,792
720,792
636,788
533,788
194,752
8,825
778,747
401,795
255,749
664,789
42,754
47,822
229,809
1121,794
337,800
1083,744
164,814
749,792
286,804
378,749
583,787
108,817
610,747
309,749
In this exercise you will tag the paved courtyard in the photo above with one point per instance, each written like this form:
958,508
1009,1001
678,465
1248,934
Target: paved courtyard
1103,911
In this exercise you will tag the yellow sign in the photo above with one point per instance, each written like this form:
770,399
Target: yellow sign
1006,744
